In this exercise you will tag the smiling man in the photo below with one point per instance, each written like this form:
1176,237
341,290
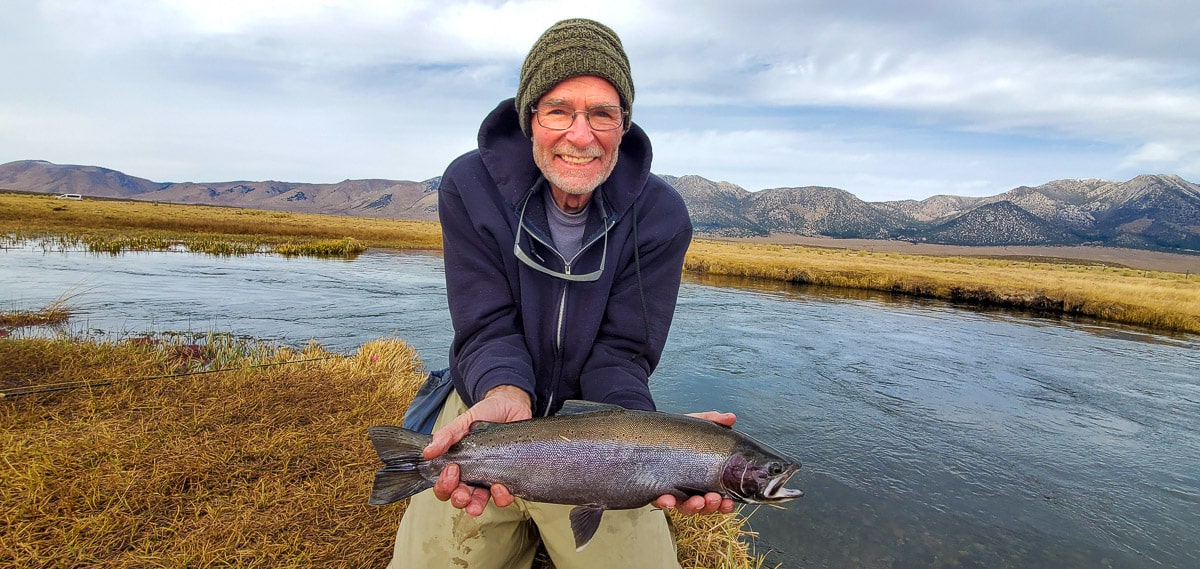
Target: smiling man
563,258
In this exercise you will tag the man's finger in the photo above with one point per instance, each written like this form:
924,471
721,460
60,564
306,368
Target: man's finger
726,419
501,496
712,501
727,506
461,497
447,482
478,501
446,436
693,505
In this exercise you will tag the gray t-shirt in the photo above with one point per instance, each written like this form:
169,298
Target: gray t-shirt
566,228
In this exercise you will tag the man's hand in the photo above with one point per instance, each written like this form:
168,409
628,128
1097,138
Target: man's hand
708,503
503,404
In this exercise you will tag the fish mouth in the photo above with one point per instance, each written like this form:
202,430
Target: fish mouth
775,490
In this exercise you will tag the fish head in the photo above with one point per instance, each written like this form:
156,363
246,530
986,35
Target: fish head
756,474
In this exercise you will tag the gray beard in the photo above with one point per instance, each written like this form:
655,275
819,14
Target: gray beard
575,186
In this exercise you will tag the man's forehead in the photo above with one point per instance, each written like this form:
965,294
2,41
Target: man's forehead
596,90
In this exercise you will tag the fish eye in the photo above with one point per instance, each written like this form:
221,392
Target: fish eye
775,469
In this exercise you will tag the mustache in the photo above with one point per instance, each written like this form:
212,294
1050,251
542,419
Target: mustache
592,150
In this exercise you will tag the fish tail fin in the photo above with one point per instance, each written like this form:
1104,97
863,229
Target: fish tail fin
400,451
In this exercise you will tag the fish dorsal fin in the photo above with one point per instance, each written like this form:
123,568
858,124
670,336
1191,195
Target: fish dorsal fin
585,520
581,407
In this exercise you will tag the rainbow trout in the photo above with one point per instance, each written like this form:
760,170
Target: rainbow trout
595,456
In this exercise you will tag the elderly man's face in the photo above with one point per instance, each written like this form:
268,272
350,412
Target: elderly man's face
577,160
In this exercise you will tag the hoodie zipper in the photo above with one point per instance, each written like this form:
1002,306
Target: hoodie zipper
558,339
561,323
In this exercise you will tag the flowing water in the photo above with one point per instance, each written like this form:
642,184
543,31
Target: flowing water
931,436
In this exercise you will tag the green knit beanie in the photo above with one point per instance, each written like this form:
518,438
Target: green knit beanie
572,48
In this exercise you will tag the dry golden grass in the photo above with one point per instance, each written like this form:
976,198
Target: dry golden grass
1167,301
56,312
25,216
264,466
715,542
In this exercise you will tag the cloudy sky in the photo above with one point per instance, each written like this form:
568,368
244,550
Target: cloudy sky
885,99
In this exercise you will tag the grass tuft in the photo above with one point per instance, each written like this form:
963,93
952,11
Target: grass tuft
57,312
347,248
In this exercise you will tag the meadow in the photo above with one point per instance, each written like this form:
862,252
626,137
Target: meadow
1152,299
114,225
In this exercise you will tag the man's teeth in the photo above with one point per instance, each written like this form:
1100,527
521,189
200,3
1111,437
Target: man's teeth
577,159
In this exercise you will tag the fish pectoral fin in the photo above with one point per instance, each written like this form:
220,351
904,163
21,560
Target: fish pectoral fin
581,407
585,520
691,491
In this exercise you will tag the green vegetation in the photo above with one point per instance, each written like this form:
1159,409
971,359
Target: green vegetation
348,247
213,452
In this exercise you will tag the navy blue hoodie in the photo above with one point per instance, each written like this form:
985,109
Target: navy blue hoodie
556,339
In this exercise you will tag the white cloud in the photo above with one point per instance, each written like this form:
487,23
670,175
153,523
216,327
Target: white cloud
1180,156
916,98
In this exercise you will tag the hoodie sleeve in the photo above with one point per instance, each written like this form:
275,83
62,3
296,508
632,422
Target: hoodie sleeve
489,349
619,367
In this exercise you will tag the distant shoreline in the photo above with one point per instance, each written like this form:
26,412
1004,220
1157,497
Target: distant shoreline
1132,258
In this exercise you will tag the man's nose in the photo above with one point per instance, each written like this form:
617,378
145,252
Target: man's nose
580,132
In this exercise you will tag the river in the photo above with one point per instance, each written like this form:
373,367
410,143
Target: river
931,435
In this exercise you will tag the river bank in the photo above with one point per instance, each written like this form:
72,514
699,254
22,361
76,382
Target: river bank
1132,258
1126,291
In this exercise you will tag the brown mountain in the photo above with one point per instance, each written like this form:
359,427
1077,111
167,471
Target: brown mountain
1159,212
368,198
44,177
825,211
998,223
717,208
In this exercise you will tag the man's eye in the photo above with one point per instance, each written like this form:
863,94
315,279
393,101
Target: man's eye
604,113
557,112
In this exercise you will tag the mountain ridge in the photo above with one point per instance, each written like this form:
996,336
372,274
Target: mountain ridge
1151,211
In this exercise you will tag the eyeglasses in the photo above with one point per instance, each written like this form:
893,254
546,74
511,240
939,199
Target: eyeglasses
531,263
561,117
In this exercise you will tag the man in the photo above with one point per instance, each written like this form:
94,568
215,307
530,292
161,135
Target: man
563,258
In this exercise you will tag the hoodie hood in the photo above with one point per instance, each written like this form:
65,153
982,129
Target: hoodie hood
501,139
